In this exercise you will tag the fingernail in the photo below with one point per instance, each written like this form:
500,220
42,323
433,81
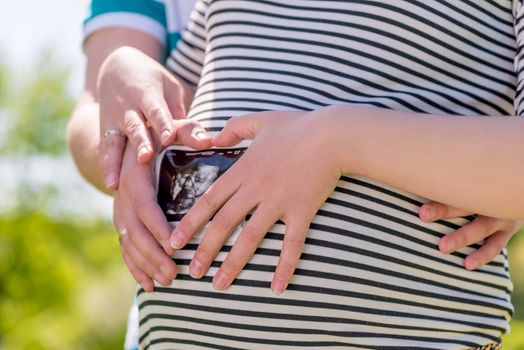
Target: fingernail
471,264
448,246
278,286
177,240
201,134
143,151
428,214
165,136
196,269
165,272
220,281
111,180
157,277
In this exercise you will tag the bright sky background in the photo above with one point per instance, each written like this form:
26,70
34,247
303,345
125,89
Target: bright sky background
27,27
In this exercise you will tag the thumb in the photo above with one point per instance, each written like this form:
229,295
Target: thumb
191,133
433,211
238,129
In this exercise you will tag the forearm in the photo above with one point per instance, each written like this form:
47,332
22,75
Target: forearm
83,139
474,163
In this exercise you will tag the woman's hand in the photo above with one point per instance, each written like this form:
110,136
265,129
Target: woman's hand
135,91
496,233
286,174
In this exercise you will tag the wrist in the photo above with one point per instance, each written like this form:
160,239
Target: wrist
344,129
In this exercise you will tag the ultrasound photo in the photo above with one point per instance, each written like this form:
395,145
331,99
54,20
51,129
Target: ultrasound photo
184,175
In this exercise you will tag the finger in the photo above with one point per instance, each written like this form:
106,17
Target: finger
492,247
138,135
150,214
175,97
433,211
205,207
192,134
292,246
238,129
142,262
225,221
471,233
146,252
245,246
140,276
157,113
110,152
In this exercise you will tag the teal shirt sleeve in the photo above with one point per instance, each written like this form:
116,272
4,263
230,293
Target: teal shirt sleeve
148,16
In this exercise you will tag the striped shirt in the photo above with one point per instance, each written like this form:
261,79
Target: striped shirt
370,275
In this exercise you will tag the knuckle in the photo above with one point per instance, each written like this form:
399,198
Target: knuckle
488,224
468,236
155,111
142,207
441,211
230,267
222,220
251,233
209,200
186,225
294,242
133,126
286,269
204,255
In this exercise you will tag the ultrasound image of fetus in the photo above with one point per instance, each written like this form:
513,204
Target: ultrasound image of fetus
184,175
188,185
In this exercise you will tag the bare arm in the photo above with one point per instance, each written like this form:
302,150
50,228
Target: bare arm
83,129
474,163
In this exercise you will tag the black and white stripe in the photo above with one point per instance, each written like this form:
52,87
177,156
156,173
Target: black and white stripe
371,275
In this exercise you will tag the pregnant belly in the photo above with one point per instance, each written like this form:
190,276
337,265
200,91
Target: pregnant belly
370,276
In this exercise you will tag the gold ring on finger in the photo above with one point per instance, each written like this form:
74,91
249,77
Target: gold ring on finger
112,132
121,234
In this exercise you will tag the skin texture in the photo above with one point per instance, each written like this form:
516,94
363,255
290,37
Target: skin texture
126,87
263,171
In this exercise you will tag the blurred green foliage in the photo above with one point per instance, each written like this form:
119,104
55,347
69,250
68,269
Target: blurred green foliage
59,284
62,282
38,108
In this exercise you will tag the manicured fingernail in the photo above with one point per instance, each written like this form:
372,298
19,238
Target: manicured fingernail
220,281
428,213
165,136
448,246
196,269
111,180
278,287
201,134
143,151
176,240
471,264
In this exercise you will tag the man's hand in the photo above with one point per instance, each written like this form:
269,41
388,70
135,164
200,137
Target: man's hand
135,92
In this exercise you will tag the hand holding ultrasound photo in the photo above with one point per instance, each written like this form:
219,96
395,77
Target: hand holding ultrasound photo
184,174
